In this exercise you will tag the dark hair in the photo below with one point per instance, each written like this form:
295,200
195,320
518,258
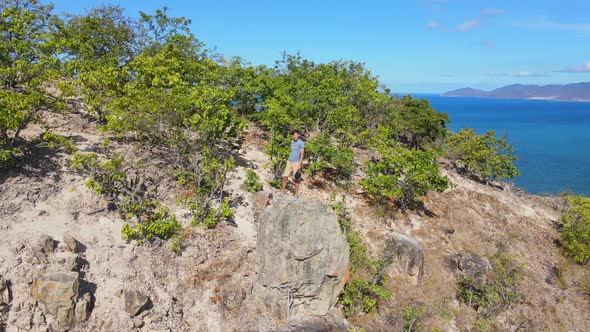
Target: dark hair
295,131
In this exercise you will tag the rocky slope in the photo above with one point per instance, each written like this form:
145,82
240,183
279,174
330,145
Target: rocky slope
63,262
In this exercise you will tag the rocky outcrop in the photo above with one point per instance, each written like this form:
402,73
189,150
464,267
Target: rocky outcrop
57,292
468,265
302,258
408,254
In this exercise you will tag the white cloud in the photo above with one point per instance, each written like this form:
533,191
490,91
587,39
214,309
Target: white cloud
493,11
525,73
545,24
468,25
433,25
496,73
583,68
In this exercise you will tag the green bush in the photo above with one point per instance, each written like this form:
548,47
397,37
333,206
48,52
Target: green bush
366,287
497,293
412,318
575,223
252,181
161,223
402,175
362,296
55,141
484,155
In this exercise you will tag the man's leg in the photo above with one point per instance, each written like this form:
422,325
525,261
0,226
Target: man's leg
296,187
284,184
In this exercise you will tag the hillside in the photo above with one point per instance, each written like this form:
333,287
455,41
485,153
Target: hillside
568,92
199,289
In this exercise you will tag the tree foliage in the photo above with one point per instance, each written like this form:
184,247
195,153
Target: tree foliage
401,174
485,155
27,62
575,223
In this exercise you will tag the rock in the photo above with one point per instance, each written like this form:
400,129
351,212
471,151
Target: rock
71,244
408,253
57,292
5,292
83,308
302,258
310,324
135,302
261,200
67,261
467,265
44,245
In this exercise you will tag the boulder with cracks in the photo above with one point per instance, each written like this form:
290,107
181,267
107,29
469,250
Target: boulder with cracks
302,258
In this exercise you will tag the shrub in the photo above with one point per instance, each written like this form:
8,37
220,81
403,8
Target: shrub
361,296
485,155
161,223
412,318
252,181
366,288
332,160
497,293
55,141
402,175
575,234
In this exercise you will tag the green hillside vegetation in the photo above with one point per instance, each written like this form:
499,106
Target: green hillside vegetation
150,80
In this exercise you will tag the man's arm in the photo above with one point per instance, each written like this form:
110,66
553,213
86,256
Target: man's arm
302,152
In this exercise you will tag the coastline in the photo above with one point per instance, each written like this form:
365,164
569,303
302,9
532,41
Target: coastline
530,98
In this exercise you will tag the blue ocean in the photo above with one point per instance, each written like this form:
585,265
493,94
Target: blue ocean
552,139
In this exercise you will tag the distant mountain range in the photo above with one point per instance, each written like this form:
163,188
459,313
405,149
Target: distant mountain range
568,92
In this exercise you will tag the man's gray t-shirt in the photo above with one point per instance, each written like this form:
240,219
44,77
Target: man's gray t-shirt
296,147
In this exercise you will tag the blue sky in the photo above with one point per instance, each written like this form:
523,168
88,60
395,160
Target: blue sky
412,45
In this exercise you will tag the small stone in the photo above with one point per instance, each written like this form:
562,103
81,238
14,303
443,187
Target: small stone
5,295
135,302
44,245
137,322
70,243
82,311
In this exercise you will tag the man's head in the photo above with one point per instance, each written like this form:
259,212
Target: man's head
295,134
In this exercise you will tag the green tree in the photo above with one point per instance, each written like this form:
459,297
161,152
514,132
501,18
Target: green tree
325,101
416,124
28,62
400,174
95,47
485,155
575,234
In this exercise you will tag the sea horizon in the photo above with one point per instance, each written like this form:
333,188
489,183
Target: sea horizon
549,164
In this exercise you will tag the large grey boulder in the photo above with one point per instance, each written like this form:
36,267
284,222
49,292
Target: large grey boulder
302,258
57,292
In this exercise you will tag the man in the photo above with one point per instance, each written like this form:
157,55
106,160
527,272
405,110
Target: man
294,161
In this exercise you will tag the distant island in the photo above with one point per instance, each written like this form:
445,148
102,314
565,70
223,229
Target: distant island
568,92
